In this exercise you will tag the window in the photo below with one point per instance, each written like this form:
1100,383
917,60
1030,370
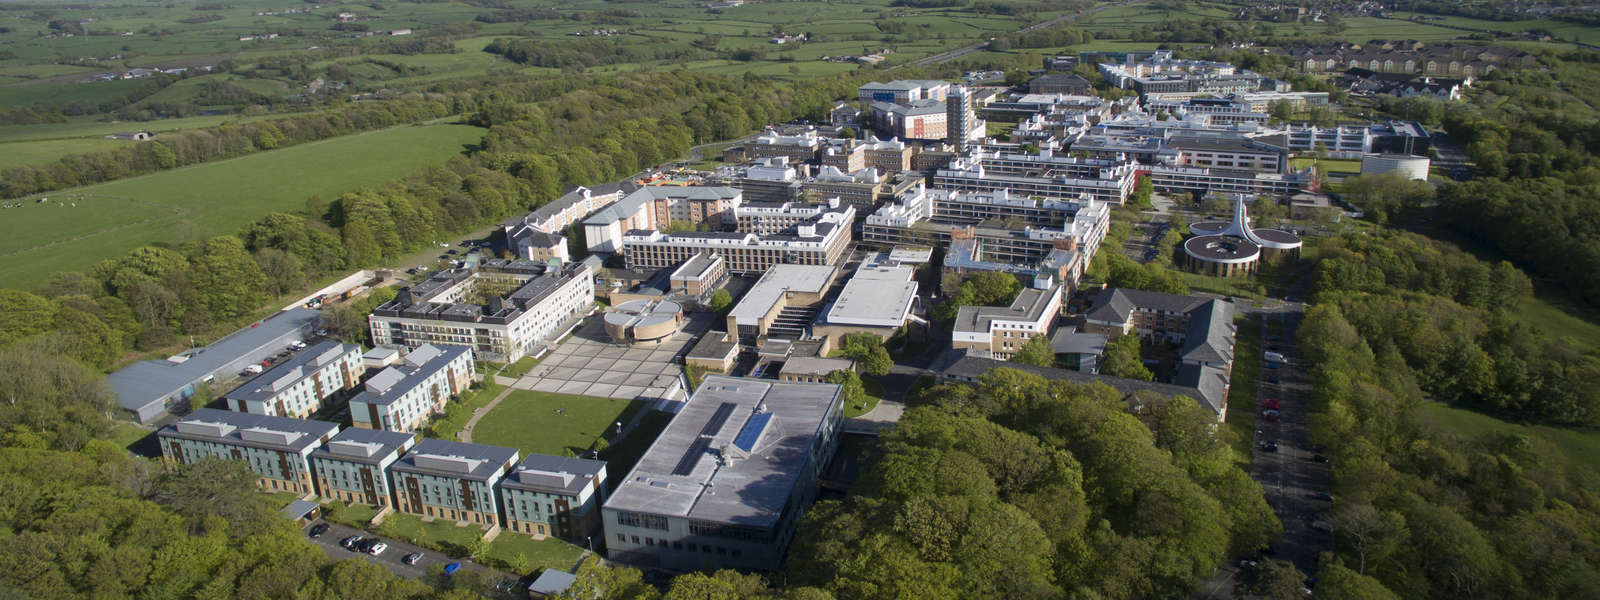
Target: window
622,538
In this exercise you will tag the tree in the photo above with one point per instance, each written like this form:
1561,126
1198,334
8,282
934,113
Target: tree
721,301
201,397
213,493
1036,352
1121,359
868,351
1142,191
597,580
1337,581
850,384
1278,580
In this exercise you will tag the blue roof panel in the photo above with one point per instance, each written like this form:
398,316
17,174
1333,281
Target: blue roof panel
751,432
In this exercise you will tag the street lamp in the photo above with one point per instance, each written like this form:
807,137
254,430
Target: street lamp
589,541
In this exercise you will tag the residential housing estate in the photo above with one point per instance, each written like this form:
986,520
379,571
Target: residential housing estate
402,397
298,387
278,449
452,480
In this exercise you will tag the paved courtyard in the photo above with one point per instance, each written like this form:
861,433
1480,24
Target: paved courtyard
589,364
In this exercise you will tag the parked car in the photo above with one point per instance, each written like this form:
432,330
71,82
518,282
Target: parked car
1273,379
1270,416
451,568
412,558
377,548
1273,365
1323,496
1322,526
317,530
1268,446
1271,403
351,542
1319,458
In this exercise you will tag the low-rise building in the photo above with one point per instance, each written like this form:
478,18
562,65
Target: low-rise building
452,480
783,288
298,386
276,448
501,309
354,465
699,276
403,397
877,300
999,332
725,484
1203,327
812,369
146,389
554,496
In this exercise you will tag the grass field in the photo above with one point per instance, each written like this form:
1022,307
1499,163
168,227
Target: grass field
457,414
874,390
517,369
1581,447
78,128
530,421
441,534
1551,319
549,553
42,151
1329,165
216,198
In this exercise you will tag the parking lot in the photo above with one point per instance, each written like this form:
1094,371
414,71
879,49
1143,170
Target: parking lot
1293,474
590,364
392,557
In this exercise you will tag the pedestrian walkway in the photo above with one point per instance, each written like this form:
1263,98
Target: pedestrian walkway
466,432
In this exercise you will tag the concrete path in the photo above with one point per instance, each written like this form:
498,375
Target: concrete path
466,432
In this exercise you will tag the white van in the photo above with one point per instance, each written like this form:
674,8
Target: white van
253,369
1274,357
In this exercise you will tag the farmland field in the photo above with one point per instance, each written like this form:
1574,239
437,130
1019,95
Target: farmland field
111,218
42,151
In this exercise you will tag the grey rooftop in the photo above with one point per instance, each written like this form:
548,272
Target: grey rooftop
681,475
455,460
248,429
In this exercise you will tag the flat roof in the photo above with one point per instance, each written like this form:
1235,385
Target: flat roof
876,297
1029,305
141,383
681,475
775,283
815,365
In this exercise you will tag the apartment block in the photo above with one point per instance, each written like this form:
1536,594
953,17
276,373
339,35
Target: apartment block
276,448
998,333
800,148
886,156
403,397
297,387
554,496
354,465
501,309
902,91
452,480
726,483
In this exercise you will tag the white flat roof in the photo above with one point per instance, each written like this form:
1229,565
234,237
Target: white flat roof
876,297
777,281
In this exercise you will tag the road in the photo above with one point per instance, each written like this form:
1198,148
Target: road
1290,477
949,55
1450,156
391,558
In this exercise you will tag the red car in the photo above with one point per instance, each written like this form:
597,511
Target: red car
1271,403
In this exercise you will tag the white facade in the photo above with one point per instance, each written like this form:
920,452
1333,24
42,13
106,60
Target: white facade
530,316
1411,167
401,398
298,387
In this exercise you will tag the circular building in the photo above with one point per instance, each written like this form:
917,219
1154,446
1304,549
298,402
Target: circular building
639,321
1412,167
1233,248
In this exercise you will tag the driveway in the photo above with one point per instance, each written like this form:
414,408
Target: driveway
1289,477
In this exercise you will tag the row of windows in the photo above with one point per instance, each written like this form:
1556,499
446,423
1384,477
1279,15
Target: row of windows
691,546
632,519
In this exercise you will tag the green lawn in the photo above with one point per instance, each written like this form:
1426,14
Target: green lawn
621,456
457,413
554,424
1328,165
37,152
1551,319
126,434
78,128
441,534
549,553
517,369
355,515
110,219
874,394
1581,447
1242,385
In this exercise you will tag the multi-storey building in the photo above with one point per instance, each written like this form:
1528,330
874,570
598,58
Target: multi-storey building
554,496
1113,183
562,212
769,218
1202,180
760,312
818,240
297,387
765,180
886,156
655,207
996,332
276,448
402,397
1231,151
847,157
727,481
354,465
962,125
452,480
500,309
799,148
859,188
917,120
903,91
1338,138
